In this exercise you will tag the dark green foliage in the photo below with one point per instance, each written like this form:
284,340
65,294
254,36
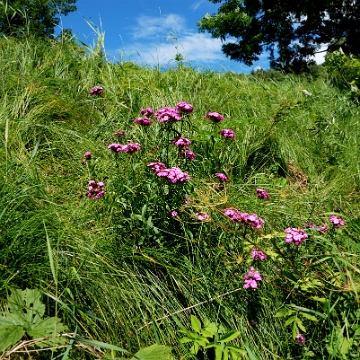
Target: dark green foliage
345,71
290,30
32,17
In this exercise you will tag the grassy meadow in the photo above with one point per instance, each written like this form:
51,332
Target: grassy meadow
125,271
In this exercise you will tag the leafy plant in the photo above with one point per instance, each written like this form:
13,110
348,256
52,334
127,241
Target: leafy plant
211,336
25,318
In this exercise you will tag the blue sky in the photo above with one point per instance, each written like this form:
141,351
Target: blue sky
151,32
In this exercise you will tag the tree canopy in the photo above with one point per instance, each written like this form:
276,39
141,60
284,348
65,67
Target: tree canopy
291,31
35,17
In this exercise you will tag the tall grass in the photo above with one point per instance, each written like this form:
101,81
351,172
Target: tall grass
127,273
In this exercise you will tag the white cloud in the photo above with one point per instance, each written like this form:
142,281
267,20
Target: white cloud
148,27
158,39
194,47
195,5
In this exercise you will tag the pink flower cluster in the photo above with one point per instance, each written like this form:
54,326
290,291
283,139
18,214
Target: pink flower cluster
187,154
222,177
96,90
165,114
143,121
87,156
95,189
227,133
295,236
184,108
252,279
320,228
128,148
181,142
257,254
300,339
173,174
147,112
214,117
237,216
262,194
336,221
202,216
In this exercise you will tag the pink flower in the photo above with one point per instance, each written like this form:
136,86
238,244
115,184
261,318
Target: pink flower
336,221
87,156
187,154
116,147
184,107
173,213
214,117
157,166
167,115
180,142
252,279
227,133
143,121
295,236
131,148
262,194
237,216
222,177
321,228
95,189
253,220
300,339
173,174
257,254
202,216
147,112
96,90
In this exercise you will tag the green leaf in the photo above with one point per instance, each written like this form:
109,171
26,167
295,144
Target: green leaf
154,352
226,353
195,348
236,356
284,312
310,311
195,323
290,320
310,317
300,325
99,344
27,305
11,319
319,299
46,327
193,335
210,327
237,349
10,336
295,329
206,333
185,340
252,356
218,351
231,335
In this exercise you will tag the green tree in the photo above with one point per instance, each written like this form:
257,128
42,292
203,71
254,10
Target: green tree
32,17
291,31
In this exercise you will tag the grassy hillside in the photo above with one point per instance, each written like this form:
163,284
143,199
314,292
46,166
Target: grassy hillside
122,269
